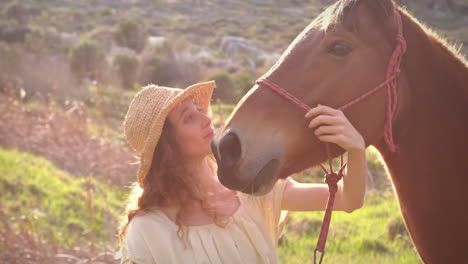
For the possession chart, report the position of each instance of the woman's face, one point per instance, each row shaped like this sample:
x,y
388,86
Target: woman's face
x,y
193,129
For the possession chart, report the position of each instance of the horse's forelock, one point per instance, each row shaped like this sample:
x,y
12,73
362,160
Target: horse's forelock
x,y
341,13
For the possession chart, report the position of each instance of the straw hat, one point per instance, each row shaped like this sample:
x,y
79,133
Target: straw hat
x,y
148,111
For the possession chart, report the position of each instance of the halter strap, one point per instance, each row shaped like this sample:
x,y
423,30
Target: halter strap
x,y
393,72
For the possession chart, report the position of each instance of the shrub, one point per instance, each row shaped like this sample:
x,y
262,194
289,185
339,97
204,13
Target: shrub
x,y
161,66
125,64
13,33
86,59
16,10
232,87
244,80
131,33
225,91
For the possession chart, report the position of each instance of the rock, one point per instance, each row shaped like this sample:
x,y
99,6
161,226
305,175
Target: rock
x,y
117,50
240,49
155,40
69,38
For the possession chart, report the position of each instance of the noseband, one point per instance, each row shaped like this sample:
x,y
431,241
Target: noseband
x,y
332,178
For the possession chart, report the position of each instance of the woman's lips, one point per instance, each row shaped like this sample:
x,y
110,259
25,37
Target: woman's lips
x,y
210,134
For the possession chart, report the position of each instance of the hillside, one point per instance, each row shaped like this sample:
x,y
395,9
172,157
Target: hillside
x,y
50,216
68,70
170,42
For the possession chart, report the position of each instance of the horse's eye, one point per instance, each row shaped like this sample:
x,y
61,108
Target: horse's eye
x,y
339,49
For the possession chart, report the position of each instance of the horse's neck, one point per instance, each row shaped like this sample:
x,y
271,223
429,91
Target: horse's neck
x,y
432,126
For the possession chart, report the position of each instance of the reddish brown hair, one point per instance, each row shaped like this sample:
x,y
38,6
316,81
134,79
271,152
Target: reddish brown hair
x,y
168,183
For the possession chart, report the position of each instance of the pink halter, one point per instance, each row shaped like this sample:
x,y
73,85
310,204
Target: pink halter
x,y
332,178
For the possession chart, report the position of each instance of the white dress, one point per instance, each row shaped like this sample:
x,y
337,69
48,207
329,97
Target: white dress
x,y
251,235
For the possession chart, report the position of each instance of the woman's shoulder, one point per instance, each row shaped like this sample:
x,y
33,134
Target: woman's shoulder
x,y
146,220
146,234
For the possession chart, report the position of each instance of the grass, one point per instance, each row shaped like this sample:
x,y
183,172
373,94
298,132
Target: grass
x,y
220,113
54,206
367,235
54,203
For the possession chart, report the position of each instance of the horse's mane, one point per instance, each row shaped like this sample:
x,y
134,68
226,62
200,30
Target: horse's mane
x,y
337,14
451,47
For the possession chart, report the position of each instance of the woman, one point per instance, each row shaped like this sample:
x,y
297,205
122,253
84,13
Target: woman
x,y
180,213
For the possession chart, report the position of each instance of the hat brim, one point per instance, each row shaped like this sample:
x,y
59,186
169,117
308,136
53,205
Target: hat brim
x,y
200,93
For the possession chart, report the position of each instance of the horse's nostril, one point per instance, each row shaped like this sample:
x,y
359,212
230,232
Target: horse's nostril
x,y
230,149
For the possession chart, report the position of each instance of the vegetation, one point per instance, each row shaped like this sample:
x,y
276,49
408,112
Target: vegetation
x,y
126,66
86,60
52,208
372,234
68,70
131,33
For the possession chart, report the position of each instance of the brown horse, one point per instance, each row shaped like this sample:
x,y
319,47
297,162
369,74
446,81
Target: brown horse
x,y
342,54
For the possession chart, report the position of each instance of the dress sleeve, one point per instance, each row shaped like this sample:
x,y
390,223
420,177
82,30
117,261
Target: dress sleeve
x,y
134,248
270,208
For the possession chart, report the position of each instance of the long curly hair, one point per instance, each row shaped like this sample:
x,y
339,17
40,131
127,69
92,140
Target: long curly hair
x,y
168,183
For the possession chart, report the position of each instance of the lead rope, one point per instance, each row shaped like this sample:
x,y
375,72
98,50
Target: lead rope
x,y
332,178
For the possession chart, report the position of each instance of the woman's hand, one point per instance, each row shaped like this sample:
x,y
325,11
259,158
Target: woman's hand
x,y
332,126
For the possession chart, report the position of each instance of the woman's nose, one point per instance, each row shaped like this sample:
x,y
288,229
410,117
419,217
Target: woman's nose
x,y
206,120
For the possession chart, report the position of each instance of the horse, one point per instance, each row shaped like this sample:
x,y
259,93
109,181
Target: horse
x,y
340,55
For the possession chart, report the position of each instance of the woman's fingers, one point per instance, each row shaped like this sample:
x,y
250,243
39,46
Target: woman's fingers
x,y
333,130
333,127
324,120
322,110
337,139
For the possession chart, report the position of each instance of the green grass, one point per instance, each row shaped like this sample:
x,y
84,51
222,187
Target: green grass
x,y
54,206
55,203
220,113
372,234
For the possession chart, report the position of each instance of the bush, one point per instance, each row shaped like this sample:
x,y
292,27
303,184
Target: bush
x,y
161,66
226,90
232,87
131,33
125,64
16,11
244,80
86,60
110,101
13,33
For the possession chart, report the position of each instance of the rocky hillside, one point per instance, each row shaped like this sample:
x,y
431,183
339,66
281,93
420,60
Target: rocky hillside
x,y
229,34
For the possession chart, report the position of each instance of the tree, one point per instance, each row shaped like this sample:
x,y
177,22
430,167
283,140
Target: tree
x,y
86,60
131,33
125,64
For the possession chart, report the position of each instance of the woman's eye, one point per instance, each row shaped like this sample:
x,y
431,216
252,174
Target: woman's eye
x,y
188,118
339,49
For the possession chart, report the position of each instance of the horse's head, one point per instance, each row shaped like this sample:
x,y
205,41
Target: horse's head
x,y
342,54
